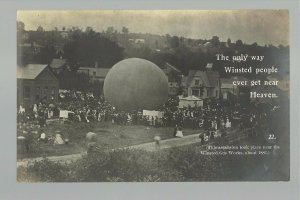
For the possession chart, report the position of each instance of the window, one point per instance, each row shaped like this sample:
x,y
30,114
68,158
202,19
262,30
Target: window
x,y
196,82
45,91
26,91
202,91
37,93
195,92
216,93
53,91
94,74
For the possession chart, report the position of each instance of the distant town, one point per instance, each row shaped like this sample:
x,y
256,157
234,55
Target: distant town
x,y
81,58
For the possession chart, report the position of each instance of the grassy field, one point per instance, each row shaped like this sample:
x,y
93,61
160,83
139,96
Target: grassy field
x,y
177,164
109,136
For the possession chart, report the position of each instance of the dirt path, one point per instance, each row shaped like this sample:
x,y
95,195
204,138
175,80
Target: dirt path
x,y
168,143
150,146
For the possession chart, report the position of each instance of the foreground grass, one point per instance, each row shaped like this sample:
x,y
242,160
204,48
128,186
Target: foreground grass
x,y
175,164
109,136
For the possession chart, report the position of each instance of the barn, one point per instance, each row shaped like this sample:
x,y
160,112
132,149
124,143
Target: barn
x,y
36,83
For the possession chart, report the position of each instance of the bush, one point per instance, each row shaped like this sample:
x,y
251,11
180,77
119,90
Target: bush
x,y
124,165
194,166
44,171
132,165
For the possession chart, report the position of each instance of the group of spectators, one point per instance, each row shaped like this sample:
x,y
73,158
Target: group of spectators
x,y
38,112
84,107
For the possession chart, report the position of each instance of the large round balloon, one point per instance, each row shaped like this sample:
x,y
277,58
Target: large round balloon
x,y
135,84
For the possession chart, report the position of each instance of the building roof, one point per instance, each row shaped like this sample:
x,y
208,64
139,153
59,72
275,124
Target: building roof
x,y
139,40
30,45
168,67
57,63
191,98
100,72
30,71
209,78
207,44
209,66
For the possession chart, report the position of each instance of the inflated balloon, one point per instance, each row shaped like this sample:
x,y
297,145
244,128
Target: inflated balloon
x,y
135,84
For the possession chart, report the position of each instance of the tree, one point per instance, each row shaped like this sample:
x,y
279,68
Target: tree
x,y
20,27
229,41
45,55
125,30
239,43
40,29
110,30
20,31
96,87
156,44
72,80
174,42
87,48
215,41
88,29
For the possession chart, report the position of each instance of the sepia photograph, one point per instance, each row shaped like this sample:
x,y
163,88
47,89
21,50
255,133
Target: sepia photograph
x,y
152,95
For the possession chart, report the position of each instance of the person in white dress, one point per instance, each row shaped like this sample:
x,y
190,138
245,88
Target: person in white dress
x,y
228,123
179,133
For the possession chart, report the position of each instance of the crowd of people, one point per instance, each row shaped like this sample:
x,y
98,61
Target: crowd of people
x,y
213,117
84,107
36,113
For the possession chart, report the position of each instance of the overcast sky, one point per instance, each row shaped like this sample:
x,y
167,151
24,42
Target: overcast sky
x,y
261,26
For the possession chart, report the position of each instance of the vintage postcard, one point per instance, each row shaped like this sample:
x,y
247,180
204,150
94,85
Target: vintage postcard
x,y
153,95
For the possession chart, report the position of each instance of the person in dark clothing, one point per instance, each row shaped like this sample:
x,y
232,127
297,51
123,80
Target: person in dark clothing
x,y
26,143
201,136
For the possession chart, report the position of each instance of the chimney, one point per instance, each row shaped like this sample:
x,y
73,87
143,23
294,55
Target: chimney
x,y
96,64
209,66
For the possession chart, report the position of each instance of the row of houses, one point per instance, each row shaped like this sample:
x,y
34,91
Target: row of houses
x,y
95,73
39,82
202,84
208,84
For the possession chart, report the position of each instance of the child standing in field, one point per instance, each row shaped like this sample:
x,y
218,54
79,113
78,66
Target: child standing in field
x,y
157,142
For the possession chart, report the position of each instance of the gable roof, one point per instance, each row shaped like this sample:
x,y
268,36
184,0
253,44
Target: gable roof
x,y
57,63
168,67
30,71
100,72
209,78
